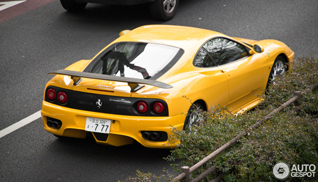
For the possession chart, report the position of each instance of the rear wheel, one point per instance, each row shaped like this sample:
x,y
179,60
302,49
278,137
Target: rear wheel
x,y
278,69
73,5
164,9
194,116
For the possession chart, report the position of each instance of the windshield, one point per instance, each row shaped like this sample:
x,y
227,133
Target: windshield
x,y
136,60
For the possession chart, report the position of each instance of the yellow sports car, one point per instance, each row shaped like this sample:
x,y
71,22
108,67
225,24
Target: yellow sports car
x,y
150,79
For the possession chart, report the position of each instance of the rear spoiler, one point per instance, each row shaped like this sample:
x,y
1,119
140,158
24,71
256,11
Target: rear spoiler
x,y
132,82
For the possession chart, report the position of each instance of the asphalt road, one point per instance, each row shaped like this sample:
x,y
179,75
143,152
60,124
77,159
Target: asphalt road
x,y
48,38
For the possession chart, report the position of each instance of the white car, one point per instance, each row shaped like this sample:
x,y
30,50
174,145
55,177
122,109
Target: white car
x,y
160,9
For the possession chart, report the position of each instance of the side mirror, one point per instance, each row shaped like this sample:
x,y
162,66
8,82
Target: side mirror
x,y
123,32
258,48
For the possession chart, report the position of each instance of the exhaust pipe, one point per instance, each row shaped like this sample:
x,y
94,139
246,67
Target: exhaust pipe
x,y
56,125
49,123
154,136
146,135
53,123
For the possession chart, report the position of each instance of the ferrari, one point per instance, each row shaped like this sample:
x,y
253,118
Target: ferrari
x,y
150,79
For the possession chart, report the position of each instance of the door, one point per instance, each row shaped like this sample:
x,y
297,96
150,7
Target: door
x,y
244,72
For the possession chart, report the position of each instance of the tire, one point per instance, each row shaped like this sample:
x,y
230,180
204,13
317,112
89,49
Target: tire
x,y
193,117
278,69
164,9
73,5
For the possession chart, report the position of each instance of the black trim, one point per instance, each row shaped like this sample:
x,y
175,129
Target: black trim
x,y
110,104
101,136
249,45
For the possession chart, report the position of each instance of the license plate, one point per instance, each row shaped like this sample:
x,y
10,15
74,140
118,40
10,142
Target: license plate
x,y
97,125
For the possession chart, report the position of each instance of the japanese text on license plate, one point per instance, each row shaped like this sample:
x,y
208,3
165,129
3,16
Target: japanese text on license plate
x,y
97,125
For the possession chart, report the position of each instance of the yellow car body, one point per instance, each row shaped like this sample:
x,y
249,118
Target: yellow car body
x,y
235,85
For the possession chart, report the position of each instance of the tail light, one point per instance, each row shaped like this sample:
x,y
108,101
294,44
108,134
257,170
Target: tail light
x,y
62,97
158,107
51,94
142,106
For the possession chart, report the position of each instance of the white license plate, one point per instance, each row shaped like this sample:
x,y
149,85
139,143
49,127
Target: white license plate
x,y
97,125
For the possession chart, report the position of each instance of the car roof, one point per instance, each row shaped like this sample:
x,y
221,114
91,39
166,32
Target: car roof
x,y
178,36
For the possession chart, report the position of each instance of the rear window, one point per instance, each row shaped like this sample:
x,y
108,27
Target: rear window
x,y
135,60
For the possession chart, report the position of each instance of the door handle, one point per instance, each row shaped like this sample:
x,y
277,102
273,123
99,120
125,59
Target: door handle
x,y
223,71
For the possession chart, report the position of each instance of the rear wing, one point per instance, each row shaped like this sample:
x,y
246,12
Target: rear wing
x,y
132,82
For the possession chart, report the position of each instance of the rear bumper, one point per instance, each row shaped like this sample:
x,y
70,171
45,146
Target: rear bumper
x,y
124,129
118,2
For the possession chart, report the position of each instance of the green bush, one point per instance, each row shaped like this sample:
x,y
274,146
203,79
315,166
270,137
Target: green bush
x,y
149,177
290,136
303,76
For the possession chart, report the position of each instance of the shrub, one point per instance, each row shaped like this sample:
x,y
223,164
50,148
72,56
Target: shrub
x,y
149,177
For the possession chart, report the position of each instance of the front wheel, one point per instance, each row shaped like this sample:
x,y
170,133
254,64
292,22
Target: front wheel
x,y
278,69
164,9
73,5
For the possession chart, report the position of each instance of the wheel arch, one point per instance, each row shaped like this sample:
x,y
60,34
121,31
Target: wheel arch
x,y
202,103
285,59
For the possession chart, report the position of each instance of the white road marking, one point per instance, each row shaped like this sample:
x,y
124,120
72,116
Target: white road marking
x,y
8,4
20,124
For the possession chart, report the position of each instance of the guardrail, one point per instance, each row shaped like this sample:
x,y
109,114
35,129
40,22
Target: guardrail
x,y
186,170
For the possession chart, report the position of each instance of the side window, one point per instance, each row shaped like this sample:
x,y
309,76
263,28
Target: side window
x,y
204,59
219,51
